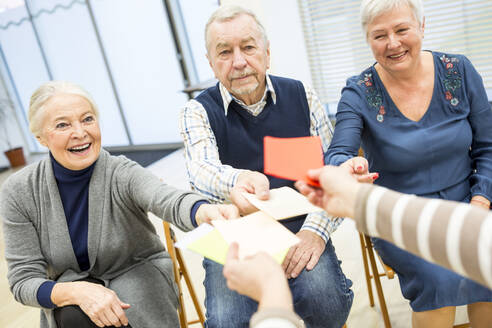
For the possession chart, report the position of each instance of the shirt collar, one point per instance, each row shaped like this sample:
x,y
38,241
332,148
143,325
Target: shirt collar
x,y
227,97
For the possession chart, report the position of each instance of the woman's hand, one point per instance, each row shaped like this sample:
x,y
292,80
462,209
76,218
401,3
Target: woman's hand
x,y
359,168
337,193
258,277
101,304
480,201
208,212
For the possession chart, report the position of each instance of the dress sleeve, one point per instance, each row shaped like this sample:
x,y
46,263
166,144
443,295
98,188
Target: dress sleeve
x,y
348,128
27,267
480,119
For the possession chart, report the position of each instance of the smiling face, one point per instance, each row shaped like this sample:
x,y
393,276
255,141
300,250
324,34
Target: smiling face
x,y
395,38
71,131
239,57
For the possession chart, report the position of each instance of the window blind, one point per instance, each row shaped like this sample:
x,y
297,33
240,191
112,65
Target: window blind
x,y
337,47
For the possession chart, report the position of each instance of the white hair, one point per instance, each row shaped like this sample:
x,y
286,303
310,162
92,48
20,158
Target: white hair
x,y
45,92
370,9
229,12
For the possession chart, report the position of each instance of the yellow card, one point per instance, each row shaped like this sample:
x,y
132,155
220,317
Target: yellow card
x,y
209,242
212,246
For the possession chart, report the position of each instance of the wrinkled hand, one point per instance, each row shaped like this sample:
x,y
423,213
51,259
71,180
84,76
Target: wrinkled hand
x,y
303,255
208,212
101,304
338,190
359,168
253,183
258,277
480,201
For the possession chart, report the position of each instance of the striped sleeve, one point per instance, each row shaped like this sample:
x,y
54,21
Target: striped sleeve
x,y
457,236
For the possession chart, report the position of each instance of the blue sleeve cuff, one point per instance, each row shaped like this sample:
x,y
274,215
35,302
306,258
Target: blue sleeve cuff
x,y
481,185
194,209
44,294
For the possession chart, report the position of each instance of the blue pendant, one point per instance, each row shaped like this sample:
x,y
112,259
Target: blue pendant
x,y
380,118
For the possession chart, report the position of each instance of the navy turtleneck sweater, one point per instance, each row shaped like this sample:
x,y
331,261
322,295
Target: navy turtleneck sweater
x,y
74,193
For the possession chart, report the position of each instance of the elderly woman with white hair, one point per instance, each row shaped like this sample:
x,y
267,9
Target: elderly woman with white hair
x,y
78,241
425,125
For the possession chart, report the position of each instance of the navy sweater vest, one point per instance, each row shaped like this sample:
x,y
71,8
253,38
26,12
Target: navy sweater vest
x,y
239,135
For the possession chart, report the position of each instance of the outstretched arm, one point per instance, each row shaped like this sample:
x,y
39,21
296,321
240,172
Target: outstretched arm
x,y
416,218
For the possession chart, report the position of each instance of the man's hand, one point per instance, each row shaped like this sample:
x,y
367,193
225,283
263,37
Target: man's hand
x,y
303,255
208,212
253,183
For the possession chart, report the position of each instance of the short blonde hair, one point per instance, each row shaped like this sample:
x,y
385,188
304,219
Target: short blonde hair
x,y
45,92
229,12
370,9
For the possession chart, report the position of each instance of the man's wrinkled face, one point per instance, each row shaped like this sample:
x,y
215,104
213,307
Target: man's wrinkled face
x,y
239,56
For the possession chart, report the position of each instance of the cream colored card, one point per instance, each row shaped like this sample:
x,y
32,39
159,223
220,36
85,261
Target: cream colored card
x,y
283,203
255,233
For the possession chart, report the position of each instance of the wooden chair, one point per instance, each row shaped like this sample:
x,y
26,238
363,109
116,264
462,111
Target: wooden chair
x,y
368,257
180,271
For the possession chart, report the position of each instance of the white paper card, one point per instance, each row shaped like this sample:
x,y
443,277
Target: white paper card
x,y
283,203
255,233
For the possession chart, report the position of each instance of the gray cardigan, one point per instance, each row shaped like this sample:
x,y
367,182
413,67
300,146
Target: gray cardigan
x,y
120,237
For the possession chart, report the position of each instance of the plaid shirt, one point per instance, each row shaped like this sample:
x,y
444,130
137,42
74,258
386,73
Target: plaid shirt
x,y
215,180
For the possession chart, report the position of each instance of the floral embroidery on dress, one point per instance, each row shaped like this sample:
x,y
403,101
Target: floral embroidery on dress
x,y
452,82
373,96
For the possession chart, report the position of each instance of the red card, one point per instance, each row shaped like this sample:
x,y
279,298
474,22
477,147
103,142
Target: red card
x,y
291,158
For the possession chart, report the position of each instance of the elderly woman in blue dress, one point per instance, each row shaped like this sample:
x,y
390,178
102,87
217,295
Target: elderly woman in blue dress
x,y
425,125
78,242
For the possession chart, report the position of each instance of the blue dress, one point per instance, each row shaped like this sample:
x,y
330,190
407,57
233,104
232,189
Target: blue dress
x,y
446,154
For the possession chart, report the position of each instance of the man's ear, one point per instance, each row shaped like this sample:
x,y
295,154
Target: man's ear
x,y
268,54
423,26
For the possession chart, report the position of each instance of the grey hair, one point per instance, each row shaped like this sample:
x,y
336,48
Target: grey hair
x,y
370,9
45,92
229,12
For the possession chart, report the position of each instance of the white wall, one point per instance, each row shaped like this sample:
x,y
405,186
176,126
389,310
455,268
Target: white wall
x,y
282,22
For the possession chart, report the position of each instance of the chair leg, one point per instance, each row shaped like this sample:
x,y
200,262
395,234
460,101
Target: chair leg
x,y
364,250
191,289
183,323
377,281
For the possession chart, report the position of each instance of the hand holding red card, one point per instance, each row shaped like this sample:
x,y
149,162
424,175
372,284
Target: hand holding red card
x,y
291,158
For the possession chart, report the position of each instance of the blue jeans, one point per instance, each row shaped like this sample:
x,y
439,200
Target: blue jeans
x,y
322,296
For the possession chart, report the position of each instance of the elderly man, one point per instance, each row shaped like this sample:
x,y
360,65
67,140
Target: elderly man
x,y
223,130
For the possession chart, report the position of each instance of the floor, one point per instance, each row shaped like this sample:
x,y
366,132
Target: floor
x,y
171,169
